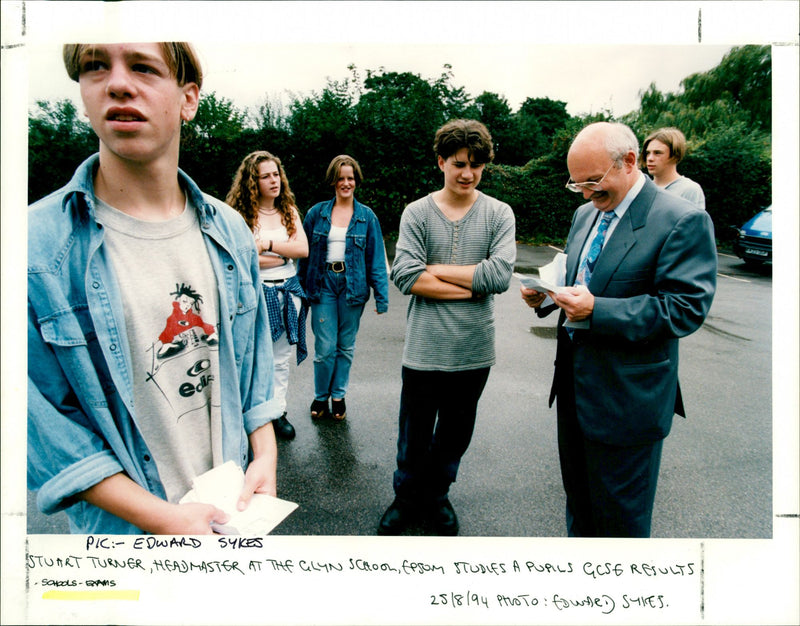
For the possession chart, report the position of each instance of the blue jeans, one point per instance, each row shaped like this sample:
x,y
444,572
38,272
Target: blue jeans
x,y
335,325
437,419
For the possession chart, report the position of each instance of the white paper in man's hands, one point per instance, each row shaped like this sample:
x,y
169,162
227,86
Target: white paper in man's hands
x,y
538,284
222,486
551,276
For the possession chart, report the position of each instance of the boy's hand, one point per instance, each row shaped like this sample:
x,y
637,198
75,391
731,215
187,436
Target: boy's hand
x,y
259,478
191,519
124,498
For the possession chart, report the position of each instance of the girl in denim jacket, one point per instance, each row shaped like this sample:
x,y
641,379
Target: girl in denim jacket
x,y
346,259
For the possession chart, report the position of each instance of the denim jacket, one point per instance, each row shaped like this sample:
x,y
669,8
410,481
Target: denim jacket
x,y
365,255
82,422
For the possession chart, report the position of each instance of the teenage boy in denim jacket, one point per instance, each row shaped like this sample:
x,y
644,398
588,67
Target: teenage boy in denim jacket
x,y
119,422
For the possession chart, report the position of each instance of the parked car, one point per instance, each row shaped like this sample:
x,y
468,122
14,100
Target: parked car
x,y
754,243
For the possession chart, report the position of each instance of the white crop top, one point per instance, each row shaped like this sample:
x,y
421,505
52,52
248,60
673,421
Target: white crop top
x,y
337,243
282,271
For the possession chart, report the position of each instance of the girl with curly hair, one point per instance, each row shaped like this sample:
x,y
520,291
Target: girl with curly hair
x,y
261,193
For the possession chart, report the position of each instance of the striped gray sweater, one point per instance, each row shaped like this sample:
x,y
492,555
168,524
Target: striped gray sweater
x,y
454,335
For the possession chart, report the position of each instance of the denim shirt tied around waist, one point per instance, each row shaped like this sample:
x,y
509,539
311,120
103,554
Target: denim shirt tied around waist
x,y
365,255
82,423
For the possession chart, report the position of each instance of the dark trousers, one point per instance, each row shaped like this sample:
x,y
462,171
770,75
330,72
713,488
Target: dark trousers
x,y
437,419
610,489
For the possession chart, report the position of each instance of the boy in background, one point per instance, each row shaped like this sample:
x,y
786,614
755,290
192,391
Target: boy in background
x,y
661,152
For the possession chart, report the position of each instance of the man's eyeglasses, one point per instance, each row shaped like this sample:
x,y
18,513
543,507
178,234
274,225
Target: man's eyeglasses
x,y
590,185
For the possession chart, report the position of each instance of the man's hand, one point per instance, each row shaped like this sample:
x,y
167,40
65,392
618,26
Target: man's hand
x,y
577,302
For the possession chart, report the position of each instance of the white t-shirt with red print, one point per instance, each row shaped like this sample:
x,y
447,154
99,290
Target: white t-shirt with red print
x,y
171,306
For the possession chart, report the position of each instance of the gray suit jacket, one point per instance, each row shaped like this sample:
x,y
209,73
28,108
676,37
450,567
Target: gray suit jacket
x,y
653,283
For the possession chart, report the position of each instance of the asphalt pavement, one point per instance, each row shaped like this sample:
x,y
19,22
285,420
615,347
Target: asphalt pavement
x,y
716,474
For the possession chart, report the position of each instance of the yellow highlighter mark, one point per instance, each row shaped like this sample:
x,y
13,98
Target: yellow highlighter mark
x,y
100,594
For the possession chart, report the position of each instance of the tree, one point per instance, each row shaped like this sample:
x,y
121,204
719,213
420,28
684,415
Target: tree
x,y
319,126
725,114
395,121
734,167
58,140
453,100
387,121
217,117
271,114
551,114
493,110
739,89
743,78
535,126
210,150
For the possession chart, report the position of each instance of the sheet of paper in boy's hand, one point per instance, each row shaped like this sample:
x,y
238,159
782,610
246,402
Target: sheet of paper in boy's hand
x,y
222,486
551,276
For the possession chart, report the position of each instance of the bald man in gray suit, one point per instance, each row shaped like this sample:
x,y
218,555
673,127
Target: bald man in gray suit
x,y
643,263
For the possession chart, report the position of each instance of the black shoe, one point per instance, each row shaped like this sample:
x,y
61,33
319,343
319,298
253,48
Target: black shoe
x,y
319,409
397,518
283,428
338,409
444,518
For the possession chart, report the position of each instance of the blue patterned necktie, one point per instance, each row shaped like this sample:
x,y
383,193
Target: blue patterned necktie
x,y
590,260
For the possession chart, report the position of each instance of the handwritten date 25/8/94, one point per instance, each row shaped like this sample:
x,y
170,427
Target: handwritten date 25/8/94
x,y
454,599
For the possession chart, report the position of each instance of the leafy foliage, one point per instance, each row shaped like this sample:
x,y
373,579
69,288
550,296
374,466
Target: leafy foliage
x,y
210,144
396,118
733,166
58,140
726,115
387,120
